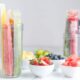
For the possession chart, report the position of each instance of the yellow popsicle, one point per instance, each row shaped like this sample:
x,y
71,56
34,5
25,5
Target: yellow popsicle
x,y
3,16
3,21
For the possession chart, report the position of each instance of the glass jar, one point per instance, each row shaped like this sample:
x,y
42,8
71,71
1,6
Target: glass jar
x,y
11,50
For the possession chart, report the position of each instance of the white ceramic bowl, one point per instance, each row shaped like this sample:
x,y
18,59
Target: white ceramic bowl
x,y
70,71
58,63
25,64
41,71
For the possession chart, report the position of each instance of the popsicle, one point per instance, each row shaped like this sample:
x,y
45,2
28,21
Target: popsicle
x,y
71,36
17,49
3,14
11,21
17,43
73,29
12,30
8,51
3,17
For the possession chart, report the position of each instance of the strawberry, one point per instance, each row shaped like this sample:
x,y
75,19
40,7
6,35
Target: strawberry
x,y
74,64
69,59
46,60
43,63
34,62
66,63
78,62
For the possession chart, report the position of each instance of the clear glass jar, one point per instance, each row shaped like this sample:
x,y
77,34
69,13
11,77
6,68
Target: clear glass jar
x,y
11,50
67,41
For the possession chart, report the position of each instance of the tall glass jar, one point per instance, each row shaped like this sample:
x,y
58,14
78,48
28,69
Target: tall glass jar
x,y
11,50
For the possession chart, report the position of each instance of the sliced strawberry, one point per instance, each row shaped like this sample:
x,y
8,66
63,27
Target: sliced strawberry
x,y
43,63
74,64
66,63
69,59
34,62
78,62
78,59
46,60
73,61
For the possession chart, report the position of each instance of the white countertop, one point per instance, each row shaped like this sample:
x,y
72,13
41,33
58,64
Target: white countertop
x,y
27,75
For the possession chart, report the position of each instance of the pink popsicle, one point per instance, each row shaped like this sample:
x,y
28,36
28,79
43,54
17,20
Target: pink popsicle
x,y
8,51
73,46
73,28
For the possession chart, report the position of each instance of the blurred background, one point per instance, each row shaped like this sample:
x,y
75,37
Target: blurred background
x,y
44,21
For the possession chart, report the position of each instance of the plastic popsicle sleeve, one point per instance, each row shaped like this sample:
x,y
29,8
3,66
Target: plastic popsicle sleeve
x,y
8,51
7,54
17,43
3,14
2,20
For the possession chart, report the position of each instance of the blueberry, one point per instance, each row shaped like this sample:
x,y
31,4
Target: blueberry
x,y
56,57
50,55
53,57
62,57
54,54
59,57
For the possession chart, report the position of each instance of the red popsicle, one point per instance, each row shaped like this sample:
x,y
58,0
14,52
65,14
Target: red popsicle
x,y
8,51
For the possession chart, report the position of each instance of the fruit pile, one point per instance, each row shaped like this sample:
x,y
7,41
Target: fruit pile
x,y
43,61
74,62
55,57
41,53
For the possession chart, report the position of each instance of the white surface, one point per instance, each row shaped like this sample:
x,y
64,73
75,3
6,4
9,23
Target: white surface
x,y
27,75
44,20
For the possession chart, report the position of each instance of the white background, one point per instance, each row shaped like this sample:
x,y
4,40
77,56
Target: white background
x,y
44,25
44,20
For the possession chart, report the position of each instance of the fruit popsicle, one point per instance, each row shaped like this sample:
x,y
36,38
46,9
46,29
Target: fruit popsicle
x,y
17,49
73,38
11,21
73,29
3,17
74,46
12,31
8,51
17,43
3,14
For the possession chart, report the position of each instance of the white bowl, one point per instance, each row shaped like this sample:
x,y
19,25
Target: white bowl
x,y
41,71
58,63
25,64
70,71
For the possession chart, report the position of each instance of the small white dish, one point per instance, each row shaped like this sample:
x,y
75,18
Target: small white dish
x,y
57,64
25,64
41,71
70,71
